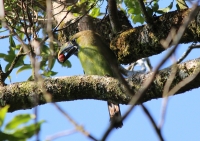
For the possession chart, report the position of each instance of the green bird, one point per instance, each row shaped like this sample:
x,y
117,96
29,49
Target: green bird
x,y
90,49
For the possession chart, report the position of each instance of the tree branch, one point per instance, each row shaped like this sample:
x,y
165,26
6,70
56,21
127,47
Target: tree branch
x,y
140,42
112,10
22,95
147,18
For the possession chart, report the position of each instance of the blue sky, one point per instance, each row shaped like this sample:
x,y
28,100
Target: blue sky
x,y
181,122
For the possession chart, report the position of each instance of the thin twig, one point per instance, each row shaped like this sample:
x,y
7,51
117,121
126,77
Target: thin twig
x,y
23,6
24,46
152,122
184,82
61,21
20,54
61,134
77,19
5,36
170,80
163,112
167,87
185,54
78,127
56,30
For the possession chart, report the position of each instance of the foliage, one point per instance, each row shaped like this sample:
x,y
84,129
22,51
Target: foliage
x,y
152,8
17,129
16,50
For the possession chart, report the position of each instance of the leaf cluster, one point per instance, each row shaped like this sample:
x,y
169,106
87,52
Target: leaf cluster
x,y
17,129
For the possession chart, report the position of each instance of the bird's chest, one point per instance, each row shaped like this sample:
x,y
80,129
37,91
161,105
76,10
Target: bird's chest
x,y
93,62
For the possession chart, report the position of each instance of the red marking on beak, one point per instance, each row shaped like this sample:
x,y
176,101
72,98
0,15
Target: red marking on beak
x,y
61,58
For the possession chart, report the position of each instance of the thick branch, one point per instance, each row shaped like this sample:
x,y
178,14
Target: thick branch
x,y
140,42
22,95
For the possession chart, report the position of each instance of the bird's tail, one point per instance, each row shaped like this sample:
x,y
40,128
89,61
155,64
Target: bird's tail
x,y
115,115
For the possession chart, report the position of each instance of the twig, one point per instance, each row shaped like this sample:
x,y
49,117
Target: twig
x,y
78,127
20,54
114,21
61,21
24,19
144,12
163,112
92,6
184,82
173,91
24,46
185,54
170,80
152,122
61,134
5,36
166,88
56,30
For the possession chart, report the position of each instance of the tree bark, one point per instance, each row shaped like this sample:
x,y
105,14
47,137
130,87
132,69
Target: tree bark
x,y
25,95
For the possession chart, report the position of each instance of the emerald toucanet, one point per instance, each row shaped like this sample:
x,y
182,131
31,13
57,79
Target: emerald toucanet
x,y
89,47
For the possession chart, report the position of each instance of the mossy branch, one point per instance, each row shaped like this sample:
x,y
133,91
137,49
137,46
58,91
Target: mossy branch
x,y
22,95
140,42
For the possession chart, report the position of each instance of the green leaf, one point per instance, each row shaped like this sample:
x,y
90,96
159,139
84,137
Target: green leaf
x,y
129,3
11,41
45,50
7,67
28,131
181,4
8,137
18,120
51,62
2,55
177,7
155,6
9,58
24,67
21,35
49,73
166,9
30,78
18,46
9,77
150,11
119,1
3,112
95,12
137,18
11,50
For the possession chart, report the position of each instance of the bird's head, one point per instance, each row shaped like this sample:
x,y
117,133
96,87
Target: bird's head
x,y
67,50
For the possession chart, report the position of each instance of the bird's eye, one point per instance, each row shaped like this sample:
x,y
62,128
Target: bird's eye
x,y
73,41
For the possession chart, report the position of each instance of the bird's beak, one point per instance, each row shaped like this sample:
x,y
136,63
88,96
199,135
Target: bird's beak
x,y
69,49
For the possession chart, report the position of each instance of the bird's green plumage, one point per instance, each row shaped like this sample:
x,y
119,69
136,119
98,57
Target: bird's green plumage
x,y
91,49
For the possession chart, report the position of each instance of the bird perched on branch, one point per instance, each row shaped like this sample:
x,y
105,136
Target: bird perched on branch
x,y
91,50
